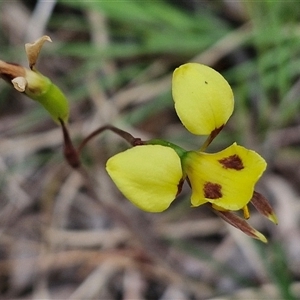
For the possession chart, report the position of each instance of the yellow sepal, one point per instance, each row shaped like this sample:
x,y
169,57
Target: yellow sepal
x,y
147,175
203,98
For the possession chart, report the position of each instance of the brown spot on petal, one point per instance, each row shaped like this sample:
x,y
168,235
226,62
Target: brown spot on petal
x,y
232,162
212,190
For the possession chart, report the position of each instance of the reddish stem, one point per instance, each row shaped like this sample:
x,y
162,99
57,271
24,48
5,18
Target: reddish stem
x,y
72,155
125,135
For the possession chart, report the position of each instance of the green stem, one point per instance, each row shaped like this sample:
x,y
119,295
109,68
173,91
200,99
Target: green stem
x,y
180,151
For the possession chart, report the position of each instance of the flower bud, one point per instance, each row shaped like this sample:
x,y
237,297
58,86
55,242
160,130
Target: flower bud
x,y
41,89
35,85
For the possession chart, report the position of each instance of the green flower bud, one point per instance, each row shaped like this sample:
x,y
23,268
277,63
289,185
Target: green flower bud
x,y
40,88
35,85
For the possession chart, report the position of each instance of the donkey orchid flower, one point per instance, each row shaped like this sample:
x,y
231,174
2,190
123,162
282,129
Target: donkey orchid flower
x,y
151,174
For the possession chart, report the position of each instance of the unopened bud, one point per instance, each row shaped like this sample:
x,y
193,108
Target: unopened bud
x,y
35,85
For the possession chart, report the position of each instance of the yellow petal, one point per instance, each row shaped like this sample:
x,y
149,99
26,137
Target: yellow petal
x,y
203,98
226,179
148,176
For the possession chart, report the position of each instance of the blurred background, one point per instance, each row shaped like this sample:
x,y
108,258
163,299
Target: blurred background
x,y
114,61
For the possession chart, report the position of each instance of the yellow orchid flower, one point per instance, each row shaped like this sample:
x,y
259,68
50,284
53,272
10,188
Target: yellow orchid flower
x,y
151,173
148,175
226,179
203,98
